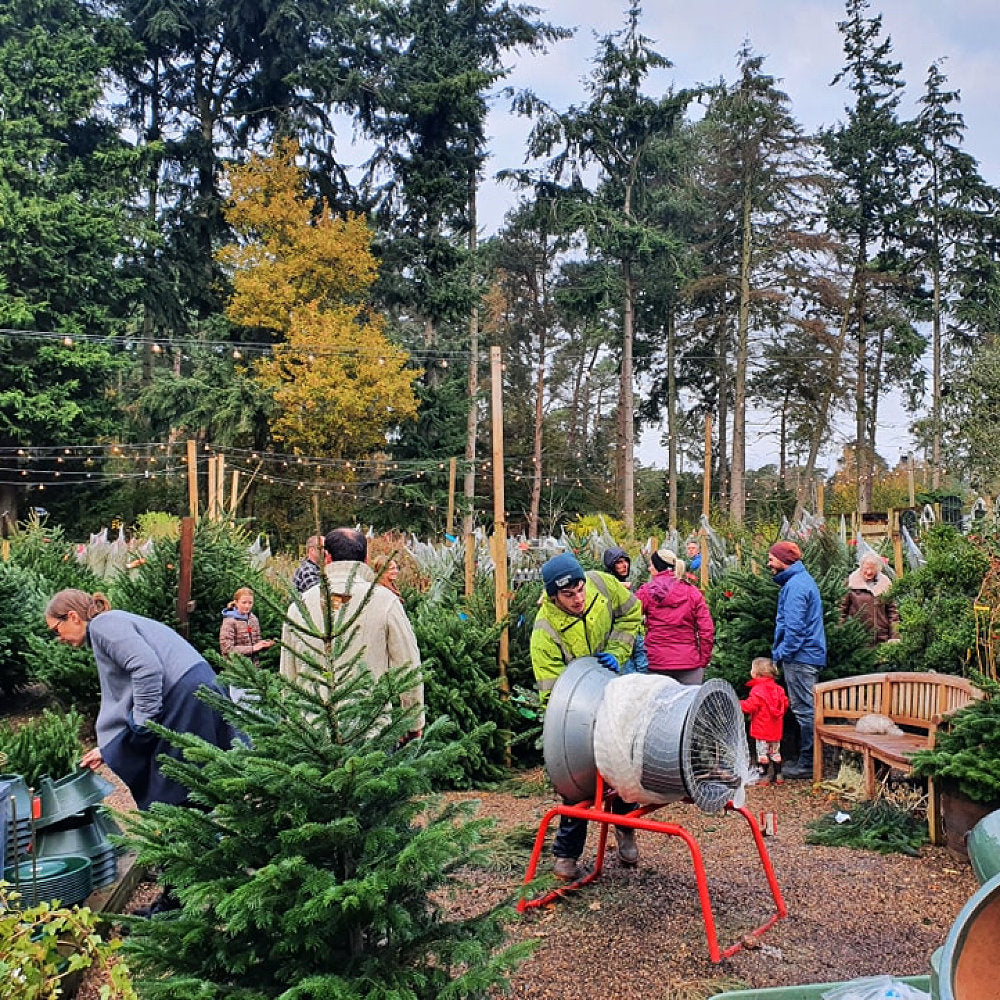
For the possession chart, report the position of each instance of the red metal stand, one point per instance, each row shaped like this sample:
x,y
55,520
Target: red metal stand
x,y
596,813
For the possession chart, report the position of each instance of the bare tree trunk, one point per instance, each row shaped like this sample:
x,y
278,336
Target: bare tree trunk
x,y
627,406
737,500
541,313
824,407
152,198
472,418
671,421
722,417
860,387
936,350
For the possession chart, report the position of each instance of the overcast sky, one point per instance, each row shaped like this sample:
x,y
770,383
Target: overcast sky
x,y
804,51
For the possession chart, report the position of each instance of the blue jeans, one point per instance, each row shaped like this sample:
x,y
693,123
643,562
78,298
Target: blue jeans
x,y
638,662
572,833
800,679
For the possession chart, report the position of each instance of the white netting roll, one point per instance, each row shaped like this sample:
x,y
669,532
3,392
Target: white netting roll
x,y
629,705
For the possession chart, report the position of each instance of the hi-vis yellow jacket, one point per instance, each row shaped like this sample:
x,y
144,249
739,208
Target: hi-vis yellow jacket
x,y
609,623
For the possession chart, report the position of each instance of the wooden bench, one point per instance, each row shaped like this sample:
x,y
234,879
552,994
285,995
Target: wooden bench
x,y
915,702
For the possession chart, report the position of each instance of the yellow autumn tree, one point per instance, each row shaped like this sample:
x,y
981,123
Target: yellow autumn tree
x,y
338,383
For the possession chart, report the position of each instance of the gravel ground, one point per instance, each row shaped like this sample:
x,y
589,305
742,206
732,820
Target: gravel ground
x,y
639,933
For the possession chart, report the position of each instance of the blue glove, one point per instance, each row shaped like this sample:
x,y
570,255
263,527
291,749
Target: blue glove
x,y
608,661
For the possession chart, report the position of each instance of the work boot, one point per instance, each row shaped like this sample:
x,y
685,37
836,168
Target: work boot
x,y
799,769
566,869
628,849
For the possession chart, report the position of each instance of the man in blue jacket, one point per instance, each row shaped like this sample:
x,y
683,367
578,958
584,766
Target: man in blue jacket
x,y
799,642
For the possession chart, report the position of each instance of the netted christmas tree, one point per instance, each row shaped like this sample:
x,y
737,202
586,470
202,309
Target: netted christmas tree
x,y
315,859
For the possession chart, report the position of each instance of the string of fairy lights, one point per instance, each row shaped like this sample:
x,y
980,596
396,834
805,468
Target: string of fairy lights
x,y
42,468
374,481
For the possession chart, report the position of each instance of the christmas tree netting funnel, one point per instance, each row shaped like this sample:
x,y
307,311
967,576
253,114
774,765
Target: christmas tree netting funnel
x,y
654,740
658,741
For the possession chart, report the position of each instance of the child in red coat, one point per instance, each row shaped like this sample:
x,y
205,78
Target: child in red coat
x,y
766,707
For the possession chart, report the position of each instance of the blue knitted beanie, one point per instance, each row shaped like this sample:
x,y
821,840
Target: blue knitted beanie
x,y
561,571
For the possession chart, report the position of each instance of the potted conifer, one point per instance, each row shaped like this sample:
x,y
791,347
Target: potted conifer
x,y
964,764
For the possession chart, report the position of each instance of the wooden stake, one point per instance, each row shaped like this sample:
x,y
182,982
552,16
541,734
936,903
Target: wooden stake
x,y
211,510
706,496
184,606
234,493
820,497
470,564
499,514
452,473
192,470
220,485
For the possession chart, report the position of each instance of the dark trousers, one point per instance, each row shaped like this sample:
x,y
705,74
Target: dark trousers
x,y
572,833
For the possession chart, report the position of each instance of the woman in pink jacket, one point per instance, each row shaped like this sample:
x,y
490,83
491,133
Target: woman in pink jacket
x,y
680,632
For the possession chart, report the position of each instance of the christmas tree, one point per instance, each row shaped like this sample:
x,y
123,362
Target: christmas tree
x,y
312,862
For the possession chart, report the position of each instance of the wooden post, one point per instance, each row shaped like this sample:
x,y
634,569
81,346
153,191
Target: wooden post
x,y
706,495
452,473
470,563
897,550
234,493
820,497
220,485
210,512
703,569
192,469
499,515
184,605
909,479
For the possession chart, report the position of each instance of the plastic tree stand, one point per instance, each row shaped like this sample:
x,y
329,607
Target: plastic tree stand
x,y
637,820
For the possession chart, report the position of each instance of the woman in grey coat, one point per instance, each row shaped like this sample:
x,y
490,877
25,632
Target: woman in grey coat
x,y
147,673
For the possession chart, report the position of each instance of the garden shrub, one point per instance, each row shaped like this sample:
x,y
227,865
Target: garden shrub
x,y
937,625
69,674
317,864
44,947
23,594
48,744
966,751
221,565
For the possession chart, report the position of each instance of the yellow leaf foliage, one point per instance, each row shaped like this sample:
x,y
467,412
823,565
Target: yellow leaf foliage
x,y
332,399
338,382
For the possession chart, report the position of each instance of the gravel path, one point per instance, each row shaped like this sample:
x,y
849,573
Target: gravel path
x,y
639,933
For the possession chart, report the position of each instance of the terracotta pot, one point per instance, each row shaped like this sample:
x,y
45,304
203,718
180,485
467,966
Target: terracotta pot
x,y
959,815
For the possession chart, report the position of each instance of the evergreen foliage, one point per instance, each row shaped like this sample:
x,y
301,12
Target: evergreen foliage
x,y
312,864
966,751
221,566
49,744
69,674
873,826
937,625
459,649
22,596
44,549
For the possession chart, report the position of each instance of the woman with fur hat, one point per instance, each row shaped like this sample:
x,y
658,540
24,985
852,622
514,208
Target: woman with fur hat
x,y
680,632
867,588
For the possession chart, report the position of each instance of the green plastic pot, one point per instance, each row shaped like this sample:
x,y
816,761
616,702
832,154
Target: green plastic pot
x,y
969,957
984,847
